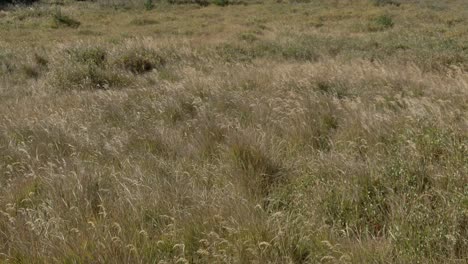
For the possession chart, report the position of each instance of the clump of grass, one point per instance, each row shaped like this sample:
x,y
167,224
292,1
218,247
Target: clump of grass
x,y
49,142
61,20
94,67
140,60
337,89
19,2
232,53
168,74
385,21
221,2
259,172
32,12
30,71
88,55
87,77
30,67
143,21
315,127
380,23
183,2
366,214
300,49
385,2
7,63
85,67
149,4
28,195
41,60
248,37
179,108
88,32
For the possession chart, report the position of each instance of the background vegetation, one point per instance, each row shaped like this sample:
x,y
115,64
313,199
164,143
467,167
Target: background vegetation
x,y
234,132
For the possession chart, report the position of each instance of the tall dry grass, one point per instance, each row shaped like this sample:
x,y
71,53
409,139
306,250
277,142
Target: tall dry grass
x,y
255,142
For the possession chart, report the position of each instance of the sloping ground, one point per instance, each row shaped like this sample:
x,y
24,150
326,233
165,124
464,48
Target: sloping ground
x,y
263,133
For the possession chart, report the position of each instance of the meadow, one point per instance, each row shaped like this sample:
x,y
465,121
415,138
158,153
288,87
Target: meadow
x,y
234,131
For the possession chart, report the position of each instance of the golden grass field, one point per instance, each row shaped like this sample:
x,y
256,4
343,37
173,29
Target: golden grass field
x,y
257,132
